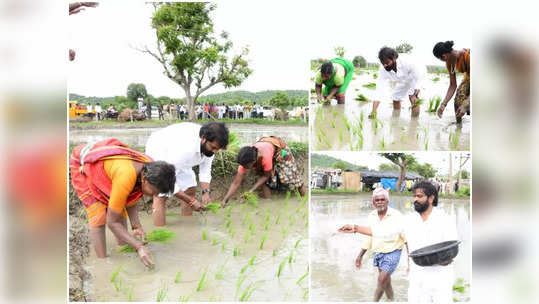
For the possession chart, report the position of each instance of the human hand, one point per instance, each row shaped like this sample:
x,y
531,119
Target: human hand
x,y
358,261
196,205
446,262
206,199
140,233
348,228
461,110
145,257
440,111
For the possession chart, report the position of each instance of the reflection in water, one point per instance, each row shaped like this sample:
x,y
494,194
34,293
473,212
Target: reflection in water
x,y
347,127
228,276
334,275
247,134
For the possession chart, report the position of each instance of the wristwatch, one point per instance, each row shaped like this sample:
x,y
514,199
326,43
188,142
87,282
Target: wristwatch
x,y
206,190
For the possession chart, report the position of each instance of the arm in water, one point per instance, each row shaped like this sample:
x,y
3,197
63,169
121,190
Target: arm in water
x,y
114,222
233,187
136,226
450,92
334,91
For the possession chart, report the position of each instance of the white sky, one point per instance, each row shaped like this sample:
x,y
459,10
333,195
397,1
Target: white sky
x,y
282,36
438,160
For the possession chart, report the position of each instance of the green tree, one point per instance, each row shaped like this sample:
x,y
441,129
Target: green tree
x,y
359,62
404,48
340,165
388,167
339,51
426,170
190,52
163,100
136,90
280,100
402,160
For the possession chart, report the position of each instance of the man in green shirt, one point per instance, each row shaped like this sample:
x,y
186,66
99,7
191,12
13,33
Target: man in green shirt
x,y
335,75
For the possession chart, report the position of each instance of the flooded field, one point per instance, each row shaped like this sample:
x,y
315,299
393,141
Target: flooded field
x,y
334,276
247,134
242,253
347,127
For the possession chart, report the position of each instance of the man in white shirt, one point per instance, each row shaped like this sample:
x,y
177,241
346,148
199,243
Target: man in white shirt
x,y
186,145
98,111
429,284
402,76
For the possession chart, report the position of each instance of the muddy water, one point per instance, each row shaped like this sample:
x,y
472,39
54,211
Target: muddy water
x,y
394,130
334,275
189,253
247,134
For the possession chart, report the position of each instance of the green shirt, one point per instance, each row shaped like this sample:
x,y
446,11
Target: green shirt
x,y
338,71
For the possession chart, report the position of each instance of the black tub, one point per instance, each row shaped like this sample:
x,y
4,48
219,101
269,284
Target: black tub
x,y
435,254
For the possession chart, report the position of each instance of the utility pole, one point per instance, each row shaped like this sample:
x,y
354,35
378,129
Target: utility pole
x,y
450,176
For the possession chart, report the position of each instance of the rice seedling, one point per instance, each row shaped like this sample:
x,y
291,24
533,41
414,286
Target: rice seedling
x,y
274,252
281,267
178,276
375,75
236,251
436,79
297,242
251,198
335,113
244,268
361,117
303,276
184,298
284,232
115,274
204,235
333,124
341,139
214,242
118,285
361,98
249,290
278,220
263,240
426,144
126,248
370,85
213,207
247,236
202,281
306,294
245,218
290,256
159,235
319,138
228,223
346,124
434,103
130,294
223,246
162,294
170,214
419,102
239,282
220,274
456,139
382,144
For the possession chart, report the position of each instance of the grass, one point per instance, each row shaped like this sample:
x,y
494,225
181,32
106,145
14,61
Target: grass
x,y
115,274
434,103
162,294
361,98
160,235
178,276
303,276
213,207
281,267
370,85
263,240
202,281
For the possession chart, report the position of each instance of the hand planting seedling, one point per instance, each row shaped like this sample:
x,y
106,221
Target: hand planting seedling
x,y
213,207
251,198
160,235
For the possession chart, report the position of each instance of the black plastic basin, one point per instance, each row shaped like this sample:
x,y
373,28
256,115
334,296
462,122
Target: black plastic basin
x,y
435,254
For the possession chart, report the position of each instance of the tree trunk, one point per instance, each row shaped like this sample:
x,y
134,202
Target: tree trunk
x,y
402,175
190,103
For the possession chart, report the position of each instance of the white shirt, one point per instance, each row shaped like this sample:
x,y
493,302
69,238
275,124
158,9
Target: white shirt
x,y
406,78
98,109
437,228
179,144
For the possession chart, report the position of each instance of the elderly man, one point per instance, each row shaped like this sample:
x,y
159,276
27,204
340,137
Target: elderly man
x,y
403,76
186,145
386,227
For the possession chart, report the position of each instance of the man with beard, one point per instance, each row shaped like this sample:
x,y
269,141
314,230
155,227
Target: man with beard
x,y
402,76
428,226
387,240
186,145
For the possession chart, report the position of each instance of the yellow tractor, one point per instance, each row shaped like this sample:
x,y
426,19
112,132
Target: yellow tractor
x,y
77,111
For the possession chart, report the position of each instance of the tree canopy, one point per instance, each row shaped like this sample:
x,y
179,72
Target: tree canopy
x,y
136,90
404,48
359,62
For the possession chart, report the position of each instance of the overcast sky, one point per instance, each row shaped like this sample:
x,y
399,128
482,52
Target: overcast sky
x,y
282,36
439,160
